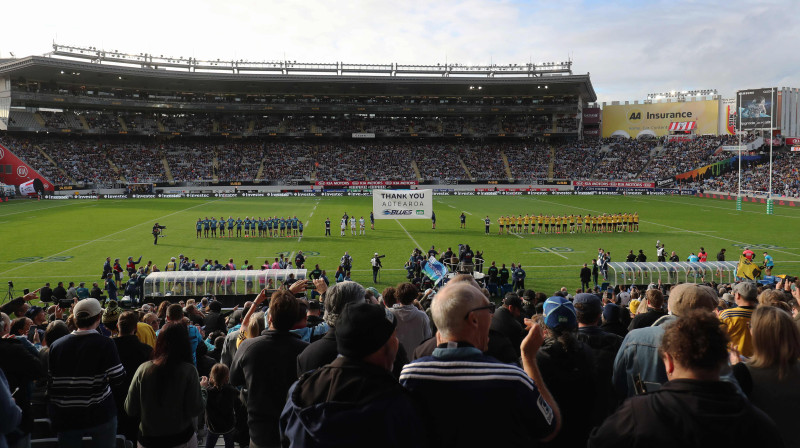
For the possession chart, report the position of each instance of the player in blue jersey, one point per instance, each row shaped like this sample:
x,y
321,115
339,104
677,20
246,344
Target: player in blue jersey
x,y
239,227
300,227
230,226
295,222
213,227
221,226
199,225
206,225
282,226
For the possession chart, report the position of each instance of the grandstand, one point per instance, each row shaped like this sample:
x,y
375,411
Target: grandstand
x,y
89,119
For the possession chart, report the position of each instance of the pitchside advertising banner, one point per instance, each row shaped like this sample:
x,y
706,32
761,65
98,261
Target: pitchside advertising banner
x,y
402,204
633,120
756,107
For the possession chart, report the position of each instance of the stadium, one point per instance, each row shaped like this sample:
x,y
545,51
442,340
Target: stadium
x,y
108,155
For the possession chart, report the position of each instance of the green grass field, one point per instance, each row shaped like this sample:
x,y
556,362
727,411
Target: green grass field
x,y
69,240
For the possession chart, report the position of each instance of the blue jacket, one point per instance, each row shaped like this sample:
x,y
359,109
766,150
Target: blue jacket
x,y
638,356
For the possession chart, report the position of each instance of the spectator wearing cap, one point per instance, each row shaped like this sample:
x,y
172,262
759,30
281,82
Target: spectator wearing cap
x,y
132,354
413,325
564,362
214,321
638,367
506,321
695,408
22,368
79,407
461,389
604,347
654,301
355,400
737,320
267,366
38,319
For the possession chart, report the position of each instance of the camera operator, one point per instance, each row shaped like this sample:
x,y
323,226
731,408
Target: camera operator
x,y
376,266
157,231
346,263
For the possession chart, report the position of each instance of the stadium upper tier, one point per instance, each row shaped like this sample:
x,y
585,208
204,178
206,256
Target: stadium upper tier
x,y
120,160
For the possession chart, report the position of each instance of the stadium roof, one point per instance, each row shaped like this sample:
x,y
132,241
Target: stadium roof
x,y
61,71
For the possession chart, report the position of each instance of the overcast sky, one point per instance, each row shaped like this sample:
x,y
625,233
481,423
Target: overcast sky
x,y
631,48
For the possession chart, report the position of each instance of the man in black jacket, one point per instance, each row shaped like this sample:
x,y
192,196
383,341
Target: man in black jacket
x,y
355,391
59,293
586,277
506,321
694,408
655,304
46,293
132,354
267,366
604,346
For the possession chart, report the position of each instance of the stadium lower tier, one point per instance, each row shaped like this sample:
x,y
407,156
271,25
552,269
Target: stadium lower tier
x,y
119,161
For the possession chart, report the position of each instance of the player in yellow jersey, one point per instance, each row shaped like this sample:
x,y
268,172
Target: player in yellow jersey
x,y
571,223
500,223
539,222
635,221
526,220
579,222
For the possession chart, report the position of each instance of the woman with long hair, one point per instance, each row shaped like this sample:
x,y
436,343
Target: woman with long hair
x,y
771,377
166,392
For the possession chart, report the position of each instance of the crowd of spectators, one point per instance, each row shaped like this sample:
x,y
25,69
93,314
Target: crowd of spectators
x,y
598,368
139,160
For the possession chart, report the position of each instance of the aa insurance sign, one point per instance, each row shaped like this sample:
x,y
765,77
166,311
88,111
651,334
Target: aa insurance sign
x,y
402,204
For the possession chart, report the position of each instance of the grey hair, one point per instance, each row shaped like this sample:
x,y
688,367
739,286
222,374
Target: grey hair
x,y
340,295
5,322
451,304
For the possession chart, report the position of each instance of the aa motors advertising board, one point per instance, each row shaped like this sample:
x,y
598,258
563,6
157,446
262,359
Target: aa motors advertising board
x,y
756,107
633,120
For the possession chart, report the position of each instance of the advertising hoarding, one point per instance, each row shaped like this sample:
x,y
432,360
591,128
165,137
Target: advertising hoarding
x,y
402,204
632,120
591,115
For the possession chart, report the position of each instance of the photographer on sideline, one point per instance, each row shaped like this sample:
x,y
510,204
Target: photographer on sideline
x,y
157,231
376,266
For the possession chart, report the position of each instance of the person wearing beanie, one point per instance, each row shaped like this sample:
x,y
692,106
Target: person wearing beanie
x,y
638,368
337,402
111,315
564,362
78,408
507,321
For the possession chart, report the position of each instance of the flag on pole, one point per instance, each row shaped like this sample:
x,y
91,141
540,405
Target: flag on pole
x,y
434,270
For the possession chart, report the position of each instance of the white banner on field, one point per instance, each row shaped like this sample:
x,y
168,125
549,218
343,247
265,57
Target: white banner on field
x,y
402,204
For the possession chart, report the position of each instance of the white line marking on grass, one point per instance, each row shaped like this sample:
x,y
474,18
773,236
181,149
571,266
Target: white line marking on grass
x,y
304,229
451,206
39,208
467,212
409,235
554,252
109,235
721,208
669,227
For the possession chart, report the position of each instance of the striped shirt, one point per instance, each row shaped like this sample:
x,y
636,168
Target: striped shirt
x,y
462,390
83,366
737,323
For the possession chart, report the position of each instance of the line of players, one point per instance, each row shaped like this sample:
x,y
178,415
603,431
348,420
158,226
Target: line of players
x,y
619,222
248,227
362,225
